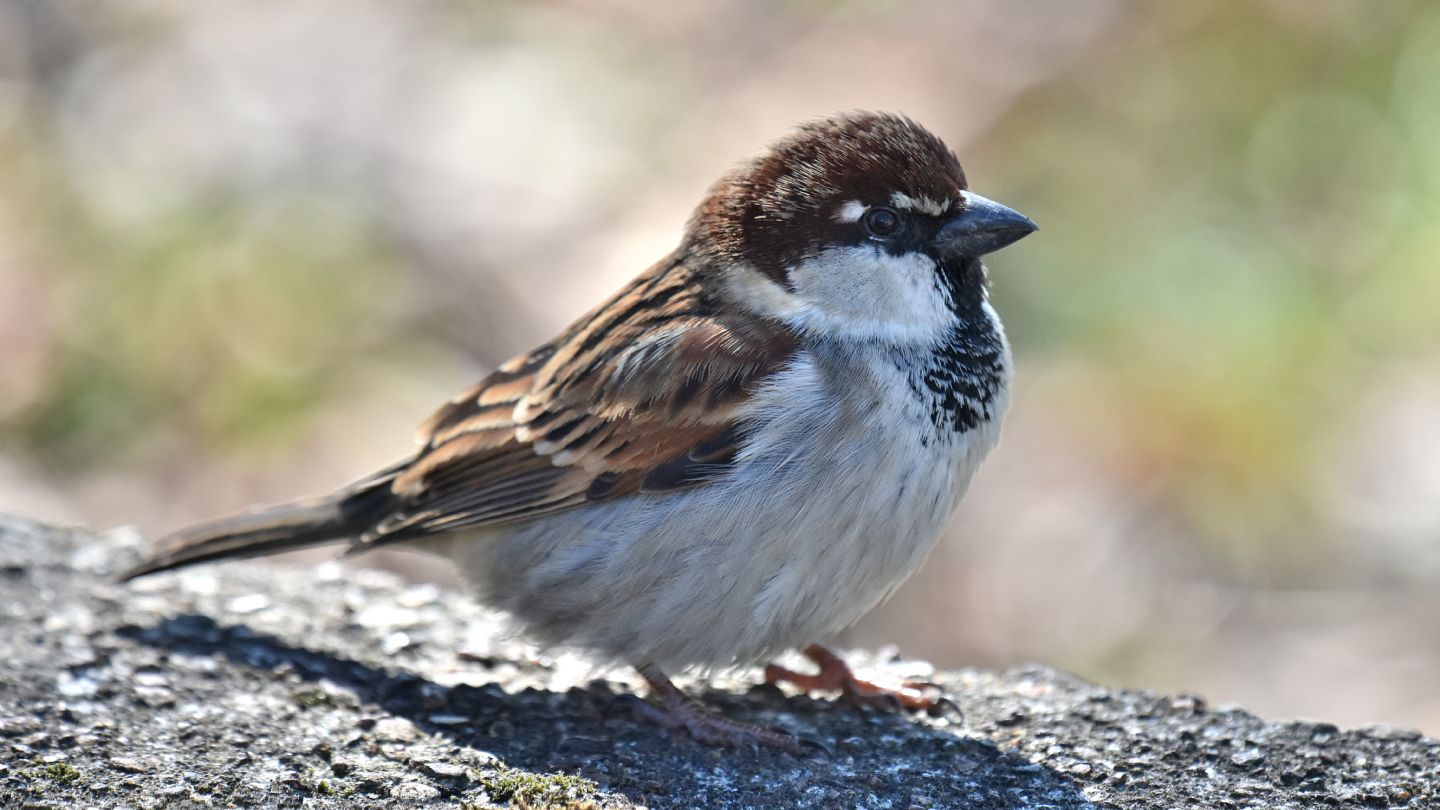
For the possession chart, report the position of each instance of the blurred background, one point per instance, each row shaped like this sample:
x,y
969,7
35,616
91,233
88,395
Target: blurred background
x,y
246,247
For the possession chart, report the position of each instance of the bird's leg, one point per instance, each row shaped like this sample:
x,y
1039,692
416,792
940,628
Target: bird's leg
x,y
677,710
836,674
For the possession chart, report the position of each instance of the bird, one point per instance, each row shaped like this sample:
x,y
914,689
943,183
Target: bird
x,y
740,453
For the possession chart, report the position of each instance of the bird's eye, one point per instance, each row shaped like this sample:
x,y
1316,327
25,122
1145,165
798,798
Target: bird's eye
x,y
882,221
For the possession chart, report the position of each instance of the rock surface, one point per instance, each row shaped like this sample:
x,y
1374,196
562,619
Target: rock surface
x,y
249,686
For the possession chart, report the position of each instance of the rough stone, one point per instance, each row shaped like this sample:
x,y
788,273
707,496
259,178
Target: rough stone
x,y
252,686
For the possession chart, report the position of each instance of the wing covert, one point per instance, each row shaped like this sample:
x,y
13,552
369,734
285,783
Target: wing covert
x,y
649,392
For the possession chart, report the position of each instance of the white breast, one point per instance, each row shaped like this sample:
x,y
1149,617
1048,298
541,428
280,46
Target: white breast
x,y
837,497
872,490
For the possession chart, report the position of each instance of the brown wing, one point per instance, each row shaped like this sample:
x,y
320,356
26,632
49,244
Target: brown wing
x,y
646,393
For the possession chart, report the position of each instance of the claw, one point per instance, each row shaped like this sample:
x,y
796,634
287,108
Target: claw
x,y
813,745
678,711
882,701
947,708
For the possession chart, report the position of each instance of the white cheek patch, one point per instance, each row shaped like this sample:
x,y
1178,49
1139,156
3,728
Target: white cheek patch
x,y
863,292
923,205
851,211
751,289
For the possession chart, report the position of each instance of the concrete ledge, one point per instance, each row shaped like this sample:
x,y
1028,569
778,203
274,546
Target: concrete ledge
x,y
248,686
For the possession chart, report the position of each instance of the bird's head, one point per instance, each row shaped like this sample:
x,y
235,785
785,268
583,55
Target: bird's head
x,y
861,225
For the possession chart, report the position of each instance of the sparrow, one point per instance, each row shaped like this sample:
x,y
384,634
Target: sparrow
x,y
744,450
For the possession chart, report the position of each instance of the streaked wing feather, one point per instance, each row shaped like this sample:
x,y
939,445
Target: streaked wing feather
x,y
645,394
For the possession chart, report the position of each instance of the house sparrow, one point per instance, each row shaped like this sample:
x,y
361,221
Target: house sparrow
x,y
744,450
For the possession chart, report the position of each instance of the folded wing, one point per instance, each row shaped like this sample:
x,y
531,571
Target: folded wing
x,y
648,393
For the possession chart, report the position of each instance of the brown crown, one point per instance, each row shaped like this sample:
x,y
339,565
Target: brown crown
x,y
780,207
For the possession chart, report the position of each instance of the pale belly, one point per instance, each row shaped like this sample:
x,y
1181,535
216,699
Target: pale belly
x,y
835,501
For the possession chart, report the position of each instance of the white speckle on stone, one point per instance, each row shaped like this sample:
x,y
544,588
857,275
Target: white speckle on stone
x,y
395,729
443,770
128,764
414,792
76,686
386,617
199,583
418,596
572,670
395,642
151,679
250,603
90,557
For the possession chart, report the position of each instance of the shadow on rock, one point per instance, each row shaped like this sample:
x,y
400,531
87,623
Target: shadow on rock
x,y
593,730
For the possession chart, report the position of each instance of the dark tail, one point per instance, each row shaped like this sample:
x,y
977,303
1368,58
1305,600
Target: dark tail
x,y
270,530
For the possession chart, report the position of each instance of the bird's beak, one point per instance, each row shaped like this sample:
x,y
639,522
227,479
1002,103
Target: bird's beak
x,y
982,226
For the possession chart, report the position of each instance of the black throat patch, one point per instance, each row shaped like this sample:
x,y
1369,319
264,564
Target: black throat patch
x,y
964,374
963,377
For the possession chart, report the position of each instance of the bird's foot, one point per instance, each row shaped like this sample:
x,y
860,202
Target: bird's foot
x,y
836,674
678,711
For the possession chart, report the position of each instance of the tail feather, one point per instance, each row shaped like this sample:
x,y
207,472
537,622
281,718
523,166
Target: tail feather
x,y
270,530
